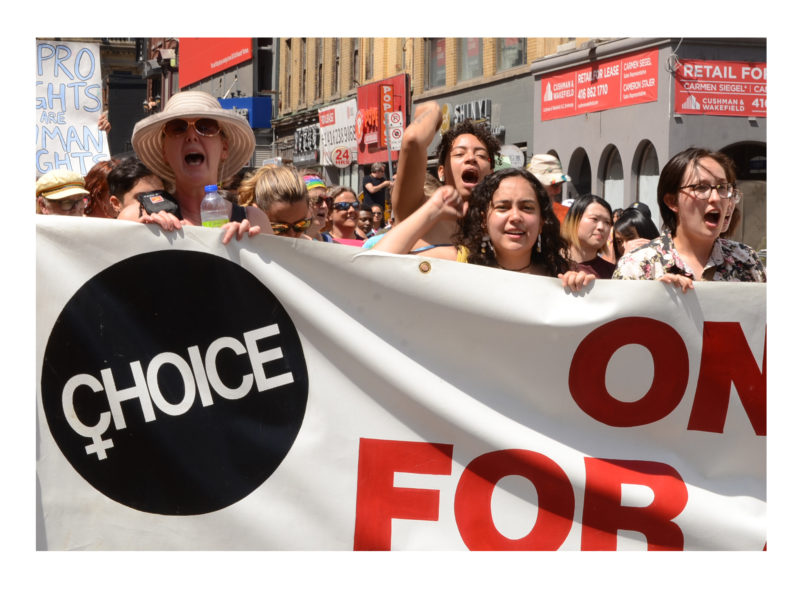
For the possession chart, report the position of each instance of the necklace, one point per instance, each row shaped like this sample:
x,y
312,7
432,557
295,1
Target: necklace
x,y
517,270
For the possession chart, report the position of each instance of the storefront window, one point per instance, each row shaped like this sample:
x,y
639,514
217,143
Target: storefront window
x,y
647,181
510,53
318,69
613,188
470,58
436,61
336,65
581,172
303,65
356,66
288,94
368,58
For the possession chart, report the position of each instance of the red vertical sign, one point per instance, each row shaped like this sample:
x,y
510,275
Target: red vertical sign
x,y
374,101
386,106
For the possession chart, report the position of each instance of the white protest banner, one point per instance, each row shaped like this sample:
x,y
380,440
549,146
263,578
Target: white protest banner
x,y
69,102
288,394
337,134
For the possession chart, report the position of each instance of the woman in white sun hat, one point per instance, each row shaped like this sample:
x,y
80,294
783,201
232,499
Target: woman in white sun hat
x,y
192,143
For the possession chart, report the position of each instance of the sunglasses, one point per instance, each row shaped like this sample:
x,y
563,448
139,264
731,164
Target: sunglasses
x,y
321,199
205,127
345,205
299,226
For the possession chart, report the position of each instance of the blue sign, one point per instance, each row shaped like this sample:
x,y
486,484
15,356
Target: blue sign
x,y
256,109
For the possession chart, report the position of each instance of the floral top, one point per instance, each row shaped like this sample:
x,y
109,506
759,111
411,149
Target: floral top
x,y
729,261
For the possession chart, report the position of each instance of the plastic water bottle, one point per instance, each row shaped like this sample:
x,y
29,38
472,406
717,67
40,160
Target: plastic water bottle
x,y
213,208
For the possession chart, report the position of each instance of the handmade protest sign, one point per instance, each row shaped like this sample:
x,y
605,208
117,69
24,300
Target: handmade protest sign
x,y
69,102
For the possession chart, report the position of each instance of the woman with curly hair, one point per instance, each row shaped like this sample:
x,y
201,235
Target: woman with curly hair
x,y
508,223
511,225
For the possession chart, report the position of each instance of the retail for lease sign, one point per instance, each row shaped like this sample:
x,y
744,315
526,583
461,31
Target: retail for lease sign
x,y
714,87
601,85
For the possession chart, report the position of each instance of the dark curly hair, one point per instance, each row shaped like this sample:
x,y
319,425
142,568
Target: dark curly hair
x,y
472,227
479,130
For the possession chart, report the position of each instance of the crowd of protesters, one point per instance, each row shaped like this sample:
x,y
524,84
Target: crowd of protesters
x,y
474,211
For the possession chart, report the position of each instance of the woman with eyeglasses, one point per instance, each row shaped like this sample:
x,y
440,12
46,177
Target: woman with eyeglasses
x,y
695,194
344,216
281,193
192,143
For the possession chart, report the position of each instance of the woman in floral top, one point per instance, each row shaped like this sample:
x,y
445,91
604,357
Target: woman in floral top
x,y
695,192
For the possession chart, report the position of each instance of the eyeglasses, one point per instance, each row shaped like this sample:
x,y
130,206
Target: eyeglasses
x,y
298,226
345,205
65,205
205,127
702,191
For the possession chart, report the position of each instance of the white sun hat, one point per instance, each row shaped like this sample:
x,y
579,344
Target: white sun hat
x,y
547,169
147,136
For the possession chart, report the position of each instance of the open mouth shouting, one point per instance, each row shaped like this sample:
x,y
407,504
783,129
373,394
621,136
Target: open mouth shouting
x,y
712,218
194,159
470,176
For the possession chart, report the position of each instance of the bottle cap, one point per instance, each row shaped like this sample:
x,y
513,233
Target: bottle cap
x,y
211,188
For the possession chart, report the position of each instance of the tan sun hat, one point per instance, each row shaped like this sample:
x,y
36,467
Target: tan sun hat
x,y
147,137
547,169
60,184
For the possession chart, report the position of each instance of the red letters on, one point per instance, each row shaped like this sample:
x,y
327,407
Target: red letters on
x,y
378,501
603,514
727,359
473,498
587,373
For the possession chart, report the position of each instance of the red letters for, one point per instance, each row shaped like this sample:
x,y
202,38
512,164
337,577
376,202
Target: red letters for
x,y
473,498
378,501
603,513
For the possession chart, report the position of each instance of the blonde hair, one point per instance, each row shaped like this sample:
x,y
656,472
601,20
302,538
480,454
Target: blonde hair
x,y
431,185
270,184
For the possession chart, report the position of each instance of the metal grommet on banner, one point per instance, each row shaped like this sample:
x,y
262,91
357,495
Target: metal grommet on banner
x,y
425,267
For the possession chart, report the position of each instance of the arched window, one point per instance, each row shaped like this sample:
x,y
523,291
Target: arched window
x,y
647,171
613,182
581,173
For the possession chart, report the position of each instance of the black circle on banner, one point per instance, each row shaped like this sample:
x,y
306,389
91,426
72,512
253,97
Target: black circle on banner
x,y
174,382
